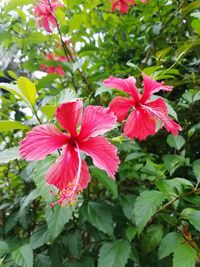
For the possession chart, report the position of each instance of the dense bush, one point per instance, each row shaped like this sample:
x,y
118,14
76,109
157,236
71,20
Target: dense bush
x,y
150,215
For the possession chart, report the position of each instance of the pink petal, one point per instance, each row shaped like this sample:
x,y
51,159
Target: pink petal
x,y
50,70
151,86
139,125
126,85
69,115
158,109
120,106
96,120
45,24
103,153
59,70
41,141
64,170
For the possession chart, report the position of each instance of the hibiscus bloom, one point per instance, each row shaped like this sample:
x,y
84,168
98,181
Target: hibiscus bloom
x,y
146,114
123,5
54,69
70,173
43,12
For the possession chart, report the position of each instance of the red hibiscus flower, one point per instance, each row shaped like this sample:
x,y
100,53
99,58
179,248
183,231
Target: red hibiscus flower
x,y
70,173
43,12
146,114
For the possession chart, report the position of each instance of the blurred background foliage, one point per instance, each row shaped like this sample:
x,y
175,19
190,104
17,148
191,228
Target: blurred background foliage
x,y
149,217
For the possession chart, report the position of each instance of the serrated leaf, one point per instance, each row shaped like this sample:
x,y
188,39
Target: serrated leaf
x,y
184,256
56,219
4,248
99,215
42,260
27,89
145,207
193,216
74,243
23,256
114,254
152,237
39,237
196,169
6,126
175,141
105,180
169,244
9,154
127,204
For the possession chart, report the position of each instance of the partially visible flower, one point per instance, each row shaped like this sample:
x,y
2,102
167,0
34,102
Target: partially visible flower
x,y
44,13
54,69
70,173
146,114
123,5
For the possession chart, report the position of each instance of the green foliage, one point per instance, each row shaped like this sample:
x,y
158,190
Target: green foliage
x,y
149,215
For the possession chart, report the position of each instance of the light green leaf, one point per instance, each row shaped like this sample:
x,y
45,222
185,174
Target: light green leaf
x,y
114,254
196,169
145,207
11,125
99,215
12,4
9,154
56,219
27,89
196,25
184,256
105,180
4,248
169,244
175,141
23,256
39,237
193,216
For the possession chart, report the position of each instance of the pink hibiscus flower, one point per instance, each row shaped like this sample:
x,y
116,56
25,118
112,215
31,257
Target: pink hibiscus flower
x,y
147,114
70,173
44,15
123,5
54,69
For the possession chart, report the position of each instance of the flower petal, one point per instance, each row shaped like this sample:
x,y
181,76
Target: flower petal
x,y
120,106
126,85
64,170
41,141
103,153
96,120
69,115
158,109
139,125
151,86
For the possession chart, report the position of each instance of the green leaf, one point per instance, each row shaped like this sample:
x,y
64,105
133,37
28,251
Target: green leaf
x,y
39,237
11,125
74,243
56,218
23,256
169,244
4,248
27,89
9,154
184,256
193,216
196,25
152,237
42,260
127,204
12,4
114,254
175,141
130,232
196,169
99,215
173,162
105,180
145,207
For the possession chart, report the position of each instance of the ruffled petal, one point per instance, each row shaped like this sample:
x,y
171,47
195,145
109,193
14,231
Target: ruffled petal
x,y
45,24
151,86
139,125
96,120
41,141
126,85
103,153
63,172
158,110
120,106
69,115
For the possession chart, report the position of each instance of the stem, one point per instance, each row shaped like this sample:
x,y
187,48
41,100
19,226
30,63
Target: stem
x,y
35,113
68,53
